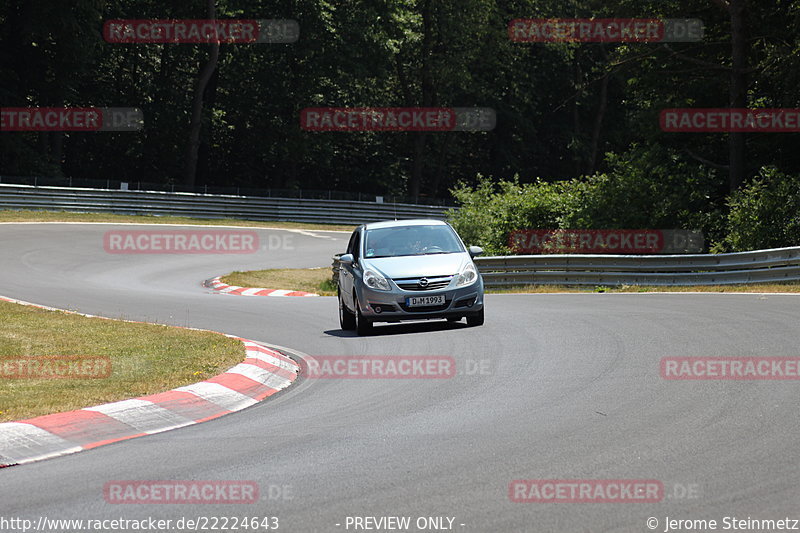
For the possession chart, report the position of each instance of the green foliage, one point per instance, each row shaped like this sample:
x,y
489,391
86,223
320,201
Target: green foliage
x,y
633,195
648,188
645,188
489,212
764,214
554,122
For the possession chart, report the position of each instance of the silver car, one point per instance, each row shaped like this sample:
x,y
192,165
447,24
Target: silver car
x,y
408,270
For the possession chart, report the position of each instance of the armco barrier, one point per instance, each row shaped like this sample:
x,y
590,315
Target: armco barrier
x,y
207,205
779,264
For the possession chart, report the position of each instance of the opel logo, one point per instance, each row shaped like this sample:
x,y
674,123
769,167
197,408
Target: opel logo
x,y
423,282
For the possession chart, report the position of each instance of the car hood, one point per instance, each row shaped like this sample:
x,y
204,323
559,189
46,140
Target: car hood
x,y
415,266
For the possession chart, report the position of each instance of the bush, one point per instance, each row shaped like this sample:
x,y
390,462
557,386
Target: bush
x,y
648,188
645,188
764,214
490,212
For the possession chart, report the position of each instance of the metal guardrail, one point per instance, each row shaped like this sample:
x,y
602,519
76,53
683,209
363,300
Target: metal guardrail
x,y
208,206
779,264
269,192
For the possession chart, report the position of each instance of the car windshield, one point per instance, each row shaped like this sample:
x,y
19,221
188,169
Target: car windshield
x,y
410,240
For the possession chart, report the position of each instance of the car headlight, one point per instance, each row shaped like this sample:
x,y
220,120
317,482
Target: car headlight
x,y
375,281
468,276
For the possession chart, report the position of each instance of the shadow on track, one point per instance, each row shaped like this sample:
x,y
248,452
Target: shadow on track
x,y
399,329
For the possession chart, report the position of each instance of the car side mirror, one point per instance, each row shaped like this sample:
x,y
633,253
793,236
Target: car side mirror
x,y
346,259
474,251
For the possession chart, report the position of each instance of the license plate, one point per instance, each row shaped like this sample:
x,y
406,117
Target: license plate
x,y
423,301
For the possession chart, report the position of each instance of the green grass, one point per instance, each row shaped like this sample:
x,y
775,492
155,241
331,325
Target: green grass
x,y
316,280
145,359
7,215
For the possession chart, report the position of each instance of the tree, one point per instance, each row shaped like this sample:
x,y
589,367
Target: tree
x,y
196,124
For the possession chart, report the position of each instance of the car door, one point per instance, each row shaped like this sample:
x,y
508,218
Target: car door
x,y
347,273
355,268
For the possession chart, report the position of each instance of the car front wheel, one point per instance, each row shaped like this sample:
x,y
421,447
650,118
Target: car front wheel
x,y
476,319
363,326
347,320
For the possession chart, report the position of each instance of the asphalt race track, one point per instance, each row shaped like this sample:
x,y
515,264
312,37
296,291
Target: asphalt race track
x,y
570,389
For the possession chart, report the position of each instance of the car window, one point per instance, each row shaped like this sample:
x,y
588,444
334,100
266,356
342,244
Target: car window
x,y
410,240
351,241
356,245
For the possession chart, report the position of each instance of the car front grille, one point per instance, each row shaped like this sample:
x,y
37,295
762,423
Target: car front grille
x,y
413,284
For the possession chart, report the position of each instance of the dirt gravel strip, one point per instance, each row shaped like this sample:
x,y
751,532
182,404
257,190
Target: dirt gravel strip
x,y
263,372
217,285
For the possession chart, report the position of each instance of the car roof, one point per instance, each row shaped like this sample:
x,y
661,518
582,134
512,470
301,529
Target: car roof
x,y
401,223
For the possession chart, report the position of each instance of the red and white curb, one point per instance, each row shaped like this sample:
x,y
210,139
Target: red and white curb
x,y
218,286
263,372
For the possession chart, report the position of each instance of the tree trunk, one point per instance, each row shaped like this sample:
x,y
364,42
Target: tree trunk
x,y
204,148
196,125
598,119
57,147
418,163
44,145
738,90
440,166
576,116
